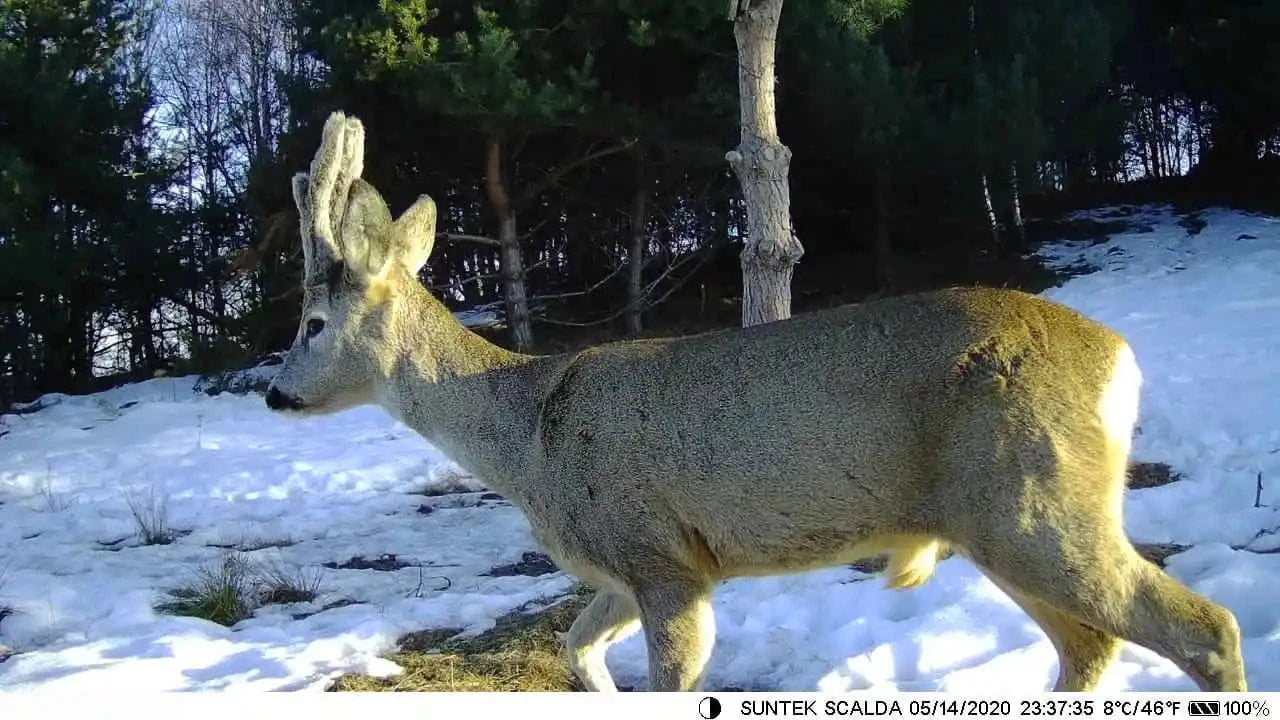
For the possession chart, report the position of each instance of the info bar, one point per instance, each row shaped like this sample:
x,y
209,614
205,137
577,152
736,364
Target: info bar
x,y
710,705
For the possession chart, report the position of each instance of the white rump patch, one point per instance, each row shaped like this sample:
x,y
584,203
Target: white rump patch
x,y
1118,406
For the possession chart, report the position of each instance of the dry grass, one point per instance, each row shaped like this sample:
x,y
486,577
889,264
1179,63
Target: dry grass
x,y
521,653
150,513
284,584
52,500
5,610
251,544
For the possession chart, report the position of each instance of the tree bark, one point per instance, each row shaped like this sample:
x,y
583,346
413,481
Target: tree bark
x,y
1143,143
770,249
512,264
1016,200
142,343
1162,160
635,248
79,346
1233,144
1197,128
992,220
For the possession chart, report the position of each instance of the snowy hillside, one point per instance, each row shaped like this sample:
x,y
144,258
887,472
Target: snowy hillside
x,y
78,588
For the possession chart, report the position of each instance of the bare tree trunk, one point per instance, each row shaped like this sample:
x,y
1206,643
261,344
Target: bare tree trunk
x,y
1198,131
142,341
1016,200
1175,136
992,220
883,242
635,249
770,249
1157,169
1157,115
80,347
1140,127
512,264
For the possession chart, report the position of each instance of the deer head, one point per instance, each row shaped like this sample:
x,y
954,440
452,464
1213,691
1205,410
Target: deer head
x,y
354,256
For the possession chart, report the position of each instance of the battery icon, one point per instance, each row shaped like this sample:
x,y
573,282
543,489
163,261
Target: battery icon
x,y
1204,708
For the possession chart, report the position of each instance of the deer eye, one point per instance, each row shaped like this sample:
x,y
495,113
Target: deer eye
x,y
314,326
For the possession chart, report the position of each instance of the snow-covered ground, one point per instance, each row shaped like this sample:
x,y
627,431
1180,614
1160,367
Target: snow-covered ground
x,y
1202,312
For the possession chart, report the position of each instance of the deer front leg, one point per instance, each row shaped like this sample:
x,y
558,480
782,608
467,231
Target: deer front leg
x,y
680,629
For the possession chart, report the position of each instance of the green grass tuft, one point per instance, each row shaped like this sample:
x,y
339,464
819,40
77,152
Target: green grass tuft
x,y
222,593
230,591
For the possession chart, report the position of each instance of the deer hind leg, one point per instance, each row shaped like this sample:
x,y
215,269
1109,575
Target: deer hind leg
x,y
608,618
1084,652
1200,636
1100,581
679,627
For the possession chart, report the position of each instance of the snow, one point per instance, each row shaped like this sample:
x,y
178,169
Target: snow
x,y
482,316
1202,312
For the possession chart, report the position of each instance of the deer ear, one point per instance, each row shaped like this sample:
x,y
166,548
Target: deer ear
x,y
364,229
414,234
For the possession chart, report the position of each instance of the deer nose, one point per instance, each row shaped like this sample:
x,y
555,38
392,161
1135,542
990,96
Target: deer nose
x,y
277,400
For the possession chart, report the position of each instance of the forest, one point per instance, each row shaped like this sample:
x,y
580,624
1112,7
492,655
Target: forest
x,y
577,152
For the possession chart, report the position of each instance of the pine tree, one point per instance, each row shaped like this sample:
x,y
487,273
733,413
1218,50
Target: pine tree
x,y
75,183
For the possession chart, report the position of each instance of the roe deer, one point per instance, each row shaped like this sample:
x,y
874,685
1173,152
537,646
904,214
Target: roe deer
x,y
990,422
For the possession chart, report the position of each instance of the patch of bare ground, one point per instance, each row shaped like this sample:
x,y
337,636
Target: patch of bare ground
x,y
1159,553
382,563
1142,475
531,564
522,652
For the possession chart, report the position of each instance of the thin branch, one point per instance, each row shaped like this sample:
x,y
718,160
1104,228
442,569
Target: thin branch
x,y
700,253
703,254
531,231
517,147
463,237
222,323
541,263
553,178
486,240
293,291
578,293
458,283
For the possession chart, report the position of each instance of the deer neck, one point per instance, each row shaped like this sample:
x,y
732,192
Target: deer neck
x,y
476,402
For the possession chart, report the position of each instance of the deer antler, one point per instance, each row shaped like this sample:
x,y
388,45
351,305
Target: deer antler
x,y
321,195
